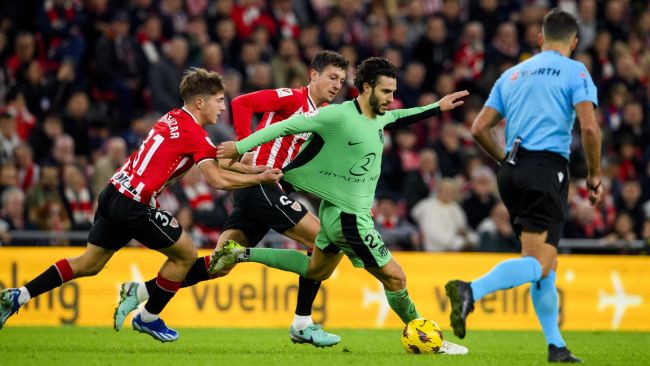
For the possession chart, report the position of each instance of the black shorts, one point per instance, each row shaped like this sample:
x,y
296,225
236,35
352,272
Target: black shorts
x,y
535,191
120,219
263,207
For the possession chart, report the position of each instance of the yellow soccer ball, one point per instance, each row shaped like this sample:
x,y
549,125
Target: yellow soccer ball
x,y
422,336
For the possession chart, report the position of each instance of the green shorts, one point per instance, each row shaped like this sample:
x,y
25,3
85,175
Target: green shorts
x,y
354,234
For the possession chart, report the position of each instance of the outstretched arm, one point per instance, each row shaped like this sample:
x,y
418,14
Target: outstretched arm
x,y
405,117
226,179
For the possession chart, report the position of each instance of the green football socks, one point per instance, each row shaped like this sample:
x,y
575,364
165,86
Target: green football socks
x,y
401,303
284,259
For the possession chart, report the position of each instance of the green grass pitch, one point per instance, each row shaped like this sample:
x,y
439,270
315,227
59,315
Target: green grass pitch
x,y
102,346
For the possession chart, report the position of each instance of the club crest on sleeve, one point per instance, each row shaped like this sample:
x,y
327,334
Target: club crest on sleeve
x,y
283,92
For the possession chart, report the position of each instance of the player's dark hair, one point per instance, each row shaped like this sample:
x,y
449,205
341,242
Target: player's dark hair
x,y
559,25
328,58
371,69
198,82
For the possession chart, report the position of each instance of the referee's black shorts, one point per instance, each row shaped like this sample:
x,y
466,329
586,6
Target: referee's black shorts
x,y
263,207
535,191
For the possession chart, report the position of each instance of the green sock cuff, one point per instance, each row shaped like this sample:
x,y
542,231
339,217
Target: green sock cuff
x,y
401,303
284,259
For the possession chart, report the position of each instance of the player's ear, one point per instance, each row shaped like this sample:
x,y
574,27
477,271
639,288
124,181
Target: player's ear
x,y
574,43
367,88
313,75
540,39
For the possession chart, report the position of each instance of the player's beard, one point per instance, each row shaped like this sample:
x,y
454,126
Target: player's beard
x,y
374,104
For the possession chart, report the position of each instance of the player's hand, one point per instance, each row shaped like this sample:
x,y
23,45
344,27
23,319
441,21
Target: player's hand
x,y
451,101
271,176
227,150
595,188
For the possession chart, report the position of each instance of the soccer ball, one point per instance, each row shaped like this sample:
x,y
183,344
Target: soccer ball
x,y
421,336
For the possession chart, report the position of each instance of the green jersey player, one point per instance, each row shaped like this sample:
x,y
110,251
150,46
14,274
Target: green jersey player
x,y
341,164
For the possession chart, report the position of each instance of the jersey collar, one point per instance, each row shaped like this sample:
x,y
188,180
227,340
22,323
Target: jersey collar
x,y
356,104
190,113
311,105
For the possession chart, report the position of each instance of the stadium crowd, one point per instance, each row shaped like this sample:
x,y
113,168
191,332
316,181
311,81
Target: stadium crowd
x,y
82,81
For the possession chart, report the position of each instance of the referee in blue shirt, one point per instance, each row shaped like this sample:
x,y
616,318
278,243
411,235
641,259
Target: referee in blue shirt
x,y
539,99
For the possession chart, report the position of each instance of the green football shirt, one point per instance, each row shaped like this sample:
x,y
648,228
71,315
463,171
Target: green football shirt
x,y
341,162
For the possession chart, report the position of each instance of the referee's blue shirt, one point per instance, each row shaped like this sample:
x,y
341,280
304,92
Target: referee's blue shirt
x,y
537,99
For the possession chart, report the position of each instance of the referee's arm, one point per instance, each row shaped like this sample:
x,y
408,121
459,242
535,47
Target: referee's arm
x,y
590,132
482,132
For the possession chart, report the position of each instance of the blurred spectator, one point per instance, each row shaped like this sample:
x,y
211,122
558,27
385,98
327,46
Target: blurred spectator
x,y
623,229
173,16
28,171
106,165
76,123
248,14
165,76
495,232
489,14
629,202
420,183
397,233
8,176
287,21
448,150
197,38
77,198
433,50
614,21
226,35
119,65
8,138
481,199
469,58
287,64
409,87
212,58
150,39
53,217
12,216
442,221
37,87
63,151
60,23
24,53
17,107
46,190
588,24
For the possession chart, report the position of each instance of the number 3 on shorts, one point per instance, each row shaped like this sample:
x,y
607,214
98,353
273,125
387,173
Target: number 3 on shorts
x,y
161,217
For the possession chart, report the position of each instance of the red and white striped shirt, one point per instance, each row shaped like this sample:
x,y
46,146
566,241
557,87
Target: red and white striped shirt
x,y
277,105
174,144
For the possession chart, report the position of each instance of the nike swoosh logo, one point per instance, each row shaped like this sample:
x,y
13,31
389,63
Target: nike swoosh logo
x,y
350,143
